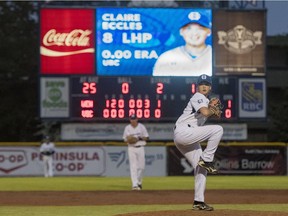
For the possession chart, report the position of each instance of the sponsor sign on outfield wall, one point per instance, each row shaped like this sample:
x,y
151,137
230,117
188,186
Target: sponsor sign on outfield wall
x,y
79,161
27,161
236,160
118,164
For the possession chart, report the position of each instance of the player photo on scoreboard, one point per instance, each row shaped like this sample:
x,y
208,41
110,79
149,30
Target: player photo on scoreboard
x,y
239,42
153,42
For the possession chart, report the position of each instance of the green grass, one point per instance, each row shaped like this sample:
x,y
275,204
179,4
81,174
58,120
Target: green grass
x,y
123,209
151,183
123,183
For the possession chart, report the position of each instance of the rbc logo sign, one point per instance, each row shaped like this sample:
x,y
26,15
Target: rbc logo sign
x,y
252,97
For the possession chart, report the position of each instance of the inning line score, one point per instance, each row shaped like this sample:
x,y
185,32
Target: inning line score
x,y
151,98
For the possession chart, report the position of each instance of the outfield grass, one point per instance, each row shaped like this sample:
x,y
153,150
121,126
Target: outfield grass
x,y
151,183
123,183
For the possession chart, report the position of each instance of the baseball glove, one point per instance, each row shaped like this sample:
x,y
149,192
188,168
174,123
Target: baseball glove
x,y
131,139
215,107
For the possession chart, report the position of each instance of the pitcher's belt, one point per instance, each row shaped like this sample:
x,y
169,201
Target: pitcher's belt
x,y
187,125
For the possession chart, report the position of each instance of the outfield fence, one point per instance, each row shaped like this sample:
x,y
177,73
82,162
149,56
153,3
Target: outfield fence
x,y
162,159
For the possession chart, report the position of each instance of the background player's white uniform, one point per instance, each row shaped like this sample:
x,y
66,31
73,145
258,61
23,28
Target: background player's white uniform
x,y
178,62
136,152
47,150
189,132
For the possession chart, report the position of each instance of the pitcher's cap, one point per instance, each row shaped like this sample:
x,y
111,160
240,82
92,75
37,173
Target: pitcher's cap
x,y
133,116
204,79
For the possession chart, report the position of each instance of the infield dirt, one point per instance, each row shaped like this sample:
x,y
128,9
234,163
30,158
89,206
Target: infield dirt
x,y
143,197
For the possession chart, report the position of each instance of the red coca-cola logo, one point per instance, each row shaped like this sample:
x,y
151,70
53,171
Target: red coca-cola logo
x,y
67,41
77,37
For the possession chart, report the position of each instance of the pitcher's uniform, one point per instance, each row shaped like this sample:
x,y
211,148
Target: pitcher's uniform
x,y
136,152
189,132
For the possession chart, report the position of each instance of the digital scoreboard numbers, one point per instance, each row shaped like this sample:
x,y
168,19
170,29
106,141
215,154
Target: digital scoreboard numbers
x,y
150,98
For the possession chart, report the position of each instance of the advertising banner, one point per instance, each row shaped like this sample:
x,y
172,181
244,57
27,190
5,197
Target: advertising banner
x,y
251,160
80,161
252,98
67,41
239,42
236,160
54,97
178,165
27,161
113,161
108,131
157,131
117,162
235,132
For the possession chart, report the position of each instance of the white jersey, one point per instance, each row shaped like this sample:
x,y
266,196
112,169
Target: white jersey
x,y
47,150
138,131
136,153
190,114
178,62
189,132
47,147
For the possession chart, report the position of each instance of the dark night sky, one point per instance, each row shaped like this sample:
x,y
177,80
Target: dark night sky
x,y
277,17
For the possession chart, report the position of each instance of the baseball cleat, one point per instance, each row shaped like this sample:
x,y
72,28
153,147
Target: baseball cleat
x,y
209,166
136,188
140,186
202,206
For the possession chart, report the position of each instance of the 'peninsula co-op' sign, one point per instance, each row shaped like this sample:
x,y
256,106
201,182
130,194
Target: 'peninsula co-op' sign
x,y
77,161
27,161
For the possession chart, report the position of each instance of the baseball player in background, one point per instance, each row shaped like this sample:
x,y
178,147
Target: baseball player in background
x,y
135,135
47,150
190,130
195,57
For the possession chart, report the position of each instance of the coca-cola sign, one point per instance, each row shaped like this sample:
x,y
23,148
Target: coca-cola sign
x,y
67,41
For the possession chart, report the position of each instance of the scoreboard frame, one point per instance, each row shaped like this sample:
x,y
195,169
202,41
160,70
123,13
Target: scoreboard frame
x,y
69,93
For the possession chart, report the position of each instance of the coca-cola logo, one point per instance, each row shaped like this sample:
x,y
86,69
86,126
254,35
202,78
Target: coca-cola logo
x,y
75,38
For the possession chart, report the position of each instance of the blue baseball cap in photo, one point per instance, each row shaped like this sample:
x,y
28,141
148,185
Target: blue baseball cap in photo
x,y
204,79
196,17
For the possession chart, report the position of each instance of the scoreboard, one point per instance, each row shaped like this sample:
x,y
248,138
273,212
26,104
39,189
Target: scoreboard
x,y
96,64
151,98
